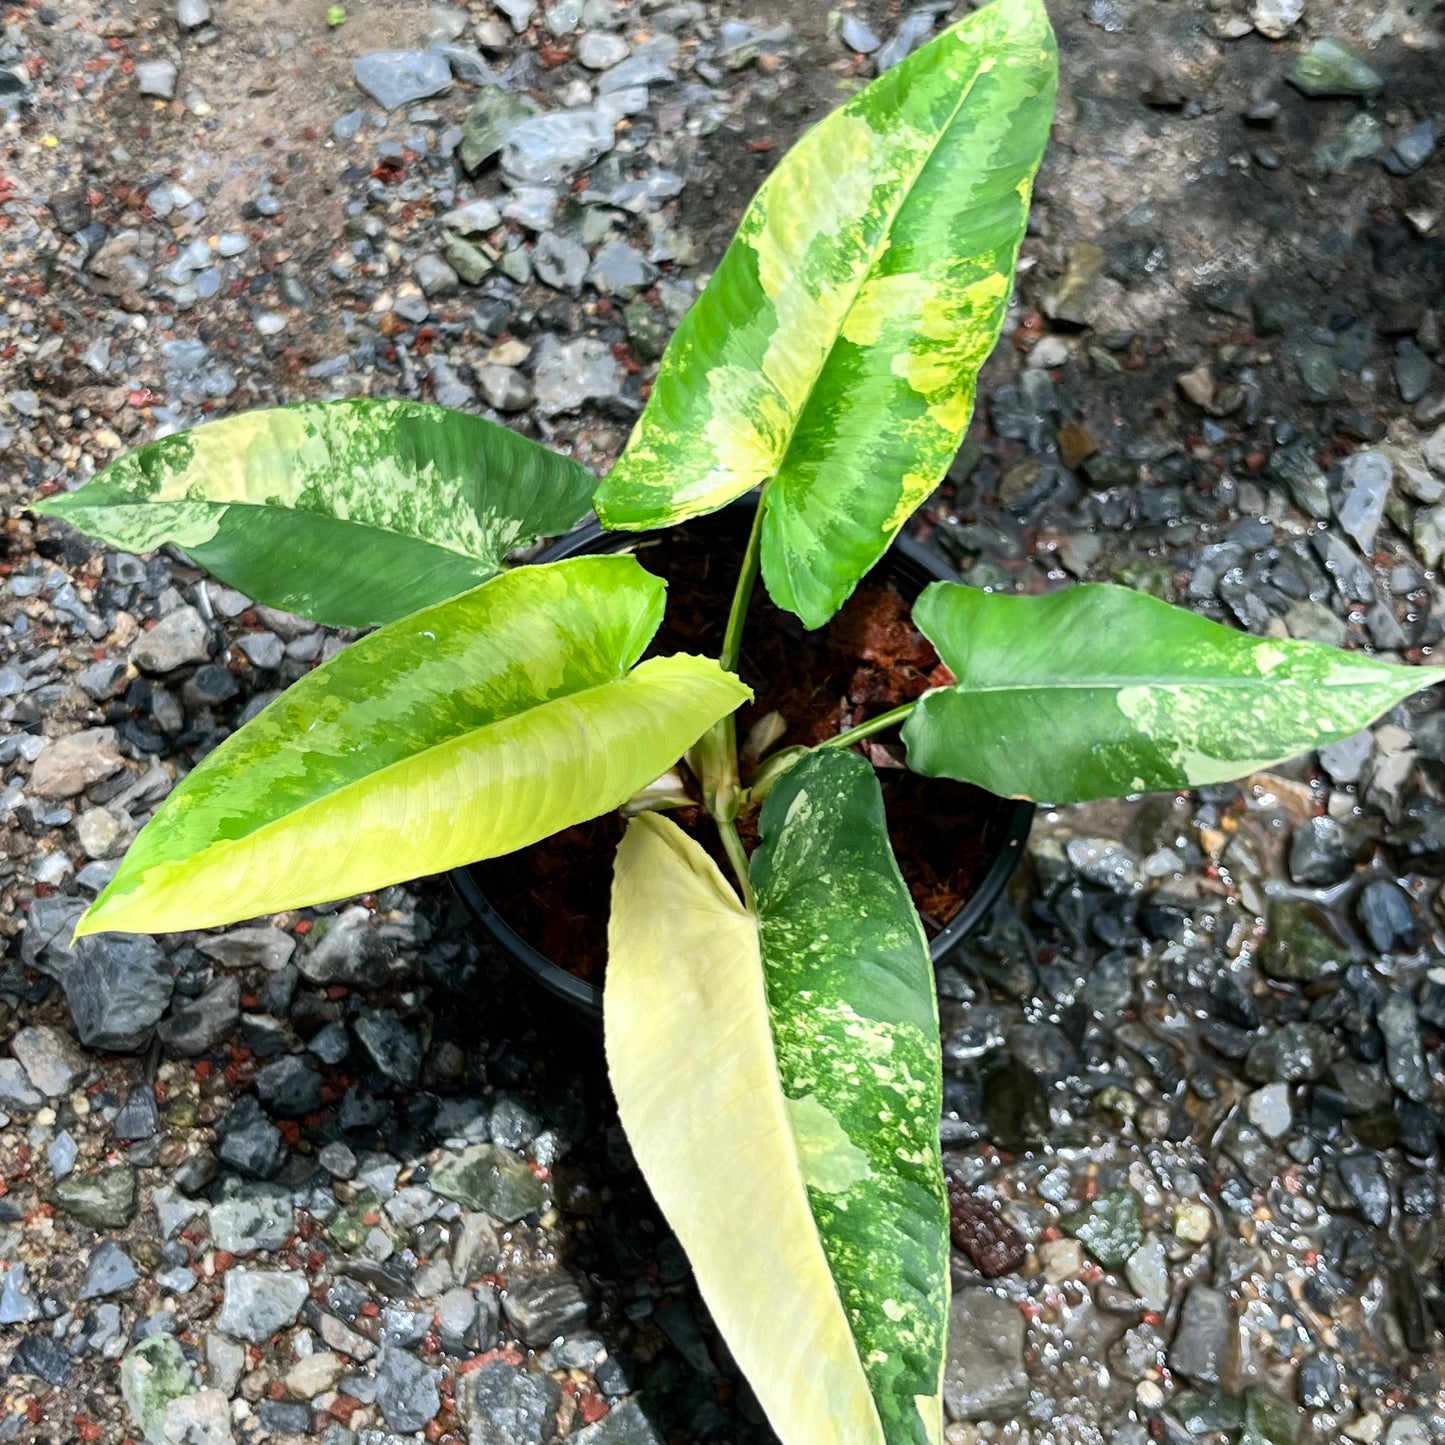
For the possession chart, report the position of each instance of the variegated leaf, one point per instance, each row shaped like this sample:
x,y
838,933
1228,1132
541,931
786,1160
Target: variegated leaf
x,y
784,1070
348,512
1097,691
834,353
466,730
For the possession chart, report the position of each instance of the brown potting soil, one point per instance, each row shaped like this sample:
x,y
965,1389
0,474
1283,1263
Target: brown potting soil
x,y
869,659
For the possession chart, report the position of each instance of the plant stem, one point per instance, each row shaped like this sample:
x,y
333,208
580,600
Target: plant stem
x,y
737,855
873,725
743,594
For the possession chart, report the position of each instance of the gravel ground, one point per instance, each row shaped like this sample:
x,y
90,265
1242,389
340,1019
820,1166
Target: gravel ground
x,y
339,1174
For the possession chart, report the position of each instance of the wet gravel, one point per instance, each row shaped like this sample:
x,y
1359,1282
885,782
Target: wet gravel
x,y
338,1174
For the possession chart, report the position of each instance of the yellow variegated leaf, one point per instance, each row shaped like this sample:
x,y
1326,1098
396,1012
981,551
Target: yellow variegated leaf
x,y
690,1055
834,353
470,729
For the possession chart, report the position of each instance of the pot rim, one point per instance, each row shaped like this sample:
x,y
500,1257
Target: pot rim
x,y
588,996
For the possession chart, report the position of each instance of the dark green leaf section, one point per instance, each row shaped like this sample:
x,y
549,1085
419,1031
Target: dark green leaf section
x,y
855,1025
352,513
1098,691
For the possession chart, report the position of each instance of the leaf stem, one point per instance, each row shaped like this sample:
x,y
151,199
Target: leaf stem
x,y
738,856
743,593
873,725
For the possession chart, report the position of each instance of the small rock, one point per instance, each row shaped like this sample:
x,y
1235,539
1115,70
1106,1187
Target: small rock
x,y
506,1405
1321,852
153,1374
1404,1051
546,149
1365,1182
857,36
600,51
260,1218
434,276
117,986
488,123
570,373
1201,1343
392,1047
541,1308
560,262
50,1058
1269,1110
406,1391
103,1200
315,1374
197,1025
504,387
71,764
350,952
110,1271
260,1302
192,14
490,1179
1329,67
394,78
1365,479
983,1375
156,77
1109,1228
1148,1273
200,1419
620,270
179,638
1276,18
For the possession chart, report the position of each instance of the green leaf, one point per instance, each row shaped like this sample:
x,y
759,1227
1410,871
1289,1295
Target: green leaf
x,y
1097,691
471,729
351,513
834,353
785,1070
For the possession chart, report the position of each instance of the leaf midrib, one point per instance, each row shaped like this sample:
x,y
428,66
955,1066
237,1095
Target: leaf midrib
x,y
965,689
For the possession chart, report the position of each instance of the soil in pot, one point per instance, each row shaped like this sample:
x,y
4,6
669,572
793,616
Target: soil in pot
x,y
869,659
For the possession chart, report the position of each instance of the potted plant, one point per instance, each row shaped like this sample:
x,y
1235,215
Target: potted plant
x,y
772,1038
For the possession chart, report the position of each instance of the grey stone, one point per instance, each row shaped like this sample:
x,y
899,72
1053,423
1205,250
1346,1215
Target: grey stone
x,y
466,64
1321,852
1276,18
156,77
570,373
51,1059
262,649
1269,1110
540,1308
394,78
260,1302
350,952
1346,760
473,218
179,638
250,1142
257,1218
519,12
110,1271
504,387
1404,1051
69,765
117,986
406,1391
857,36
392,1047
1411,150
914,30
289,1087
259,947
200,1419
546,149
434,276
621,270
600,51
17,1094
649,64
192,14
198,1024
983,1374
560,262
1364,1179
17,1305
138,1117
484,1177
1201,1343
505,1405
1148,1273
1365,479
470,262
624,1424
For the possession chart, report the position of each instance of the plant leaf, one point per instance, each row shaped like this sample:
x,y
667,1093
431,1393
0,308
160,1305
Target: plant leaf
x,y
751,1077
855,1025
461,732
833,354
351,513
1097,691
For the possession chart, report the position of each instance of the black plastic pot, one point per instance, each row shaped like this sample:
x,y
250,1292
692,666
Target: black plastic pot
x,y
912,567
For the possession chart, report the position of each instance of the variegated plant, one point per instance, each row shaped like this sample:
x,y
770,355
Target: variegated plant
x,y
774,1044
